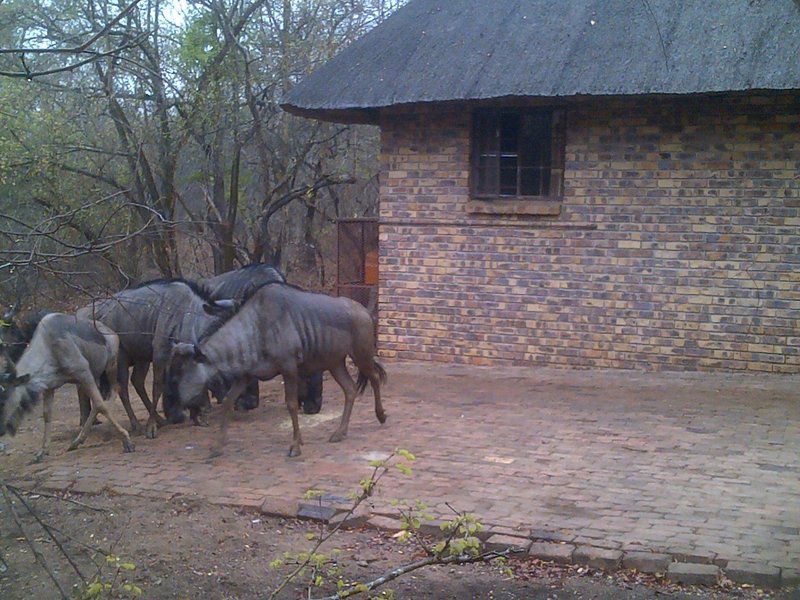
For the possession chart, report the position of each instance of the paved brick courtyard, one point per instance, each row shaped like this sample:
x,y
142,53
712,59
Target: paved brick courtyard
x,y
694,464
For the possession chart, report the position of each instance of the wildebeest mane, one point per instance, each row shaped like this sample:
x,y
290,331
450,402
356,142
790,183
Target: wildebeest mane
x,y
258,265
216,326
198,289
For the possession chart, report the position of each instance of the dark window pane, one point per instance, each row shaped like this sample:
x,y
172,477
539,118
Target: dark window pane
x,y
486,152
486,181
531,181
515,152
509,132
508,182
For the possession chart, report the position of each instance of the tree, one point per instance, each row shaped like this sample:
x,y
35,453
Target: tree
x,y
170,138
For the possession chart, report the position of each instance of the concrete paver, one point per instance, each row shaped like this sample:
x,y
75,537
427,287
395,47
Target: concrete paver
x,y
706,466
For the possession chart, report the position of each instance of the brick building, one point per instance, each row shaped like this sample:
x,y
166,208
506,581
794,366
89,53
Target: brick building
x,y
613,184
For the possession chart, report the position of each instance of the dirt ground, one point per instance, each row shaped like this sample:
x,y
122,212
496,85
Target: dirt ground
x,y
186,548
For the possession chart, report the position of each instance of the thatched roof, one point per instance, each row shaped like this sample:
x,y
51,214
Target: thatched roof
x,y
446,50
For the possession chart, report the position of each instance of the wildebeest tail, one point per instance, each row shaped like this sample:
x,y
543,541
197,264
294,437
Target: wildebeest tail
x,y
363,380
104,385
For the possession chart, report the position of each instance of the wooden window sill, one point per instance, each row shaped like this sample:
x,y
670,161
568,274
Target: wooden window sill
x,y
503,206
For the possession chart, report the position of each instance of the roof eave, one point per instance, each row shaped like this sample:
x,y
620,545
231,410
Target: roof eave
x,y
371,115
349,116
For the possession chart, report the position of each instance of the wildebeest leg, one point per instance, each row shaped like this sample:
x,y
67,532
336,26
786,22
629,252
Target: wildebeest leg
x,y
375,383
138,378
348,386
85,407
122,380
196,412
47,412
227,407
292,404
151,429
99,406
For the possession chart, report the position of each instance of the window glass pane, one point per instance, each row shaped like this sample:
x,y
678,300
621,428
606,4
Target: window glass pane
x,y
508,175
487,155
531,181
517,152
509,132
486,181
536,139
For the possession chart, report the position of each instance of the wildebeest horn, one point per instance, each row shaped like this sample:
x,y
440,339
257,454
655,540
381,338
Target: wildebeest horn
x,y
219,307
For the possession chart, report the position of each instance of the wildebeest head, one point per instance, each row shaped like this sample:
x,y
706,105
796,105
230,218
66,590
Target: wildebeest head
x,y
11,398
309,393
187,375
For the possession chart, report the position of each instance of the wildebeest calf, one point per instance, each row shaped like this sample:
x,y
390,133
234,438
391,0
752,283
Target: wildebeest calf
x,y
64,349
282,330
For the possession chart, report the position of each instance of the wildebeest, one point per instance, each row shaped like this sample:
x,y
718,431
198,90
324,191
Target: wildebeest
x,y
282,330
64,349
147,318
238,285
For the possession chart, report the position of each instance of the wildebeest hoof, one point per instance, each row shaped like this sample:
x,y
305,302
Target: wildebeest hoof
x,y
151,431
381,417
337,436
136,428
161,420
294,451
39,456
200,421
73,445
128,446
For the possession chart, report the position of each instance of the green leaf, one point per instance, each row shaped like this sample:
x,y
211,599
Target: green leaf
x,y
127,566
318,581
406,454
403,468
93,590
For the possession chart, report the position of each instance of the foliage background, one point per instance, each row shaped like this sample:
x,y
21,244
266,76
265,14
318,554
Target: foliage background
x,y
160,150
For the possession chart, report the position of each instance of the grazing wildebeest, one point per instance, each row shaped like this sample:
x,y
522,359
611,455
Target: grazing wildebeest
x,y
147,318
238,285
282,330
64,349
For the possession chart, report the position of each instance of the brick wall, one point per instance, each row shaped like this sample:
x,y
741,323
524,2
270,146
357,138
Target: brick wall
x,y
676,246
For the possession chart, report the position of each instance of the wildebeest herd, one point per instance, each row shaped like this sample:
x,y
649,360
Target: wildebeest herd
x,y
220,336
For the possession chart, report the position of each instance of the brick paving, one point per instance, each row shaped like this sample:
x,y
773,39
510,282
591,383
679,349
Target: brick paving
x,y
705,467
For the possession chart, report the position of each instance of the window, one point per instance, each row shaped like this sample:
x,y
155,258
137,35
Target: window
x,y
517,154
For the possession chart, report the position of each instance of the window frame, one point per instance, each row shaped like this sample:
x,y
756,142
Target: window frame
x,y
521,204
